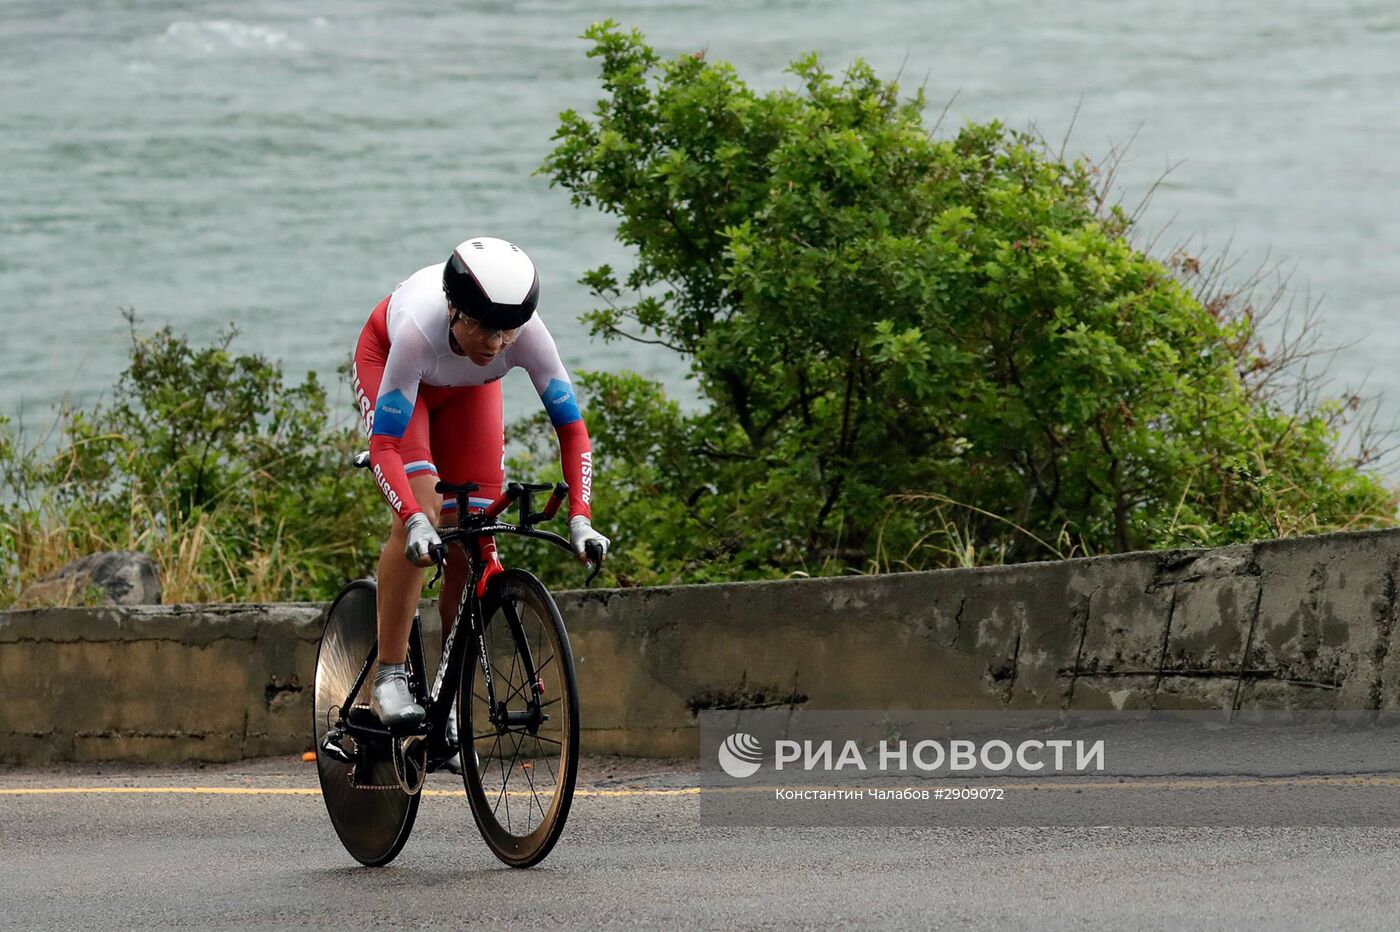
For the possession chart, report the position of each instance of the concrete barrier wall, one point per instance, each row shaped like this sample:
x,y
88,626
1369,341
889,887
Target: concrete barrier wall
x,y
1303,623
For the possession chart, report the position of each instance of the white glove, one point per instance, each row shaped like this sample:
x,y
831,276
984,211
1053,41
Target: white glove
x,y
421,539
581,533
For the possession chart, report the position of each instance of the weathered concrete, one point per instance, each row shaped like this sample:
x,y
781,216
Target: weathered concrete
x,y
206,682
1304,623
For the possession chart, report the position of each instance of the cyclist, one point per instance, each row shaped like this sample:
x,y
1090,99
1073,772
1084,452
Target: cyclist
x,y
426,374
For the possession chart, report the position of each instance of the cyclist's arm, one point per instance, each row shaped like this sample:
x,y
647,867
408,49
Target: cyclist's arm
x,y
398,391
540,358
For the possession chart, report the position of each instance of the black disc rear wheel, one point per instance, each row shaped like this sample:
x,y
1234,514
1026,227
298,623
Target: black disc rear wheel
x,y
371,813
520,759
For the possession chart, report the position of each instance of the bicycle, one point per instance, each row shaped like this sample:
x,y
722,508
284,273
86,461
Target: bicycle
x,y
516,703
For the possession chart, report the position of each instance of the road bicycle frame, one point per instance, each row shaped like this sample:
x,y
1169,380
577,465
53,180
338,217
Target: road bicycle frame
x,y
474,531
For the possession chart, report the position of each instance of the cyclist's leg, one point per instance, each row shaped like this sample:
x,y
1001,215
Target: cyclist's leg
x,y
467,437
400,582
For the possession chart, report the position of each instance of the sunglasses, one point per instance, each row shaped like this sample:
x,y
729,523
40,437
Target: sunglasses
x,y
507,337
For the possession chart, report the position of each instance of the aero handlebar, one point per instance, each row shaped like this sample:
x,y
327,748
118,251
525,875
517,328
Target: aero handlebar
x,y
513,492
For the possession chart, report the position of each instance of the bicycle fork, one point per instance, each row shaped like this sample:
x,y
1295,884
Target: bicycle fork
x,y
487,565
532,716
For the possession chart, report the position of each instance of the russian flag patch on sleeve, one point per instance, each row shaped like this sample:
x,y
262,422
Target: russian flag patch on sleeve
x,y
392,414
560,402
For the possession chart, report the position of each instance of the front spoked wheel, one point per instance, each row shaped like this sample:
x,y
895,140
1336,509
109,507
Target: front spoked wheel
x,y
364,795
520,756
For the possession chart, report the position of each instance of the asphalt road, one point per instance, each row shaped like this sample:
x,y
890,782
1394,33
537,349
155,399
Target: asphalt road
x,y
249,845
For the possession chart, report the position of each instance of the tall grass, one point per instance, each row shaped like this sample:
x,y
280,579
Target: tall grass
x,y
235,484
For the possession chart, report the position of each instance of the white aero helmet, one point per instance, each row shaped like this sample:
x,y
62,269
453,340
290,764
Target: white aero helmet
x,y
492,281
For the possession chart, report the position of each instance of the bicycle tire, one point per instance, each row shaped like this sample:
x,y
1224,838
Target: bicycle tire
x,y
520,841
372,824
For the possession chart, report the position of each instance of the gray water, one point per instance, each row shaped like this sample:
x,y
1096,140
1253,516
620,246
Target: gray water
x,y
283,165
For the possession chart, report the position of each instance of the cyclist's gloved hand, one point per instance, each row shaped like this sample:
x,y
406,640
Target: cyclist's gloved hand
x,y
422,538
581,534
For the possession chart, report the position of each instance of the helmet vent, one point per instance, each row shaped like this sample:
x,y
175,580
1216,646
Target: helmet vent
x,y
478,244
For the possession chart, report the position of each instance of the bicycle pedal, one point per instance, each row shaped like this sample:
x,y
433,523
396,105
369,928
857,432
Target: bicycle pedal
x,y
453,763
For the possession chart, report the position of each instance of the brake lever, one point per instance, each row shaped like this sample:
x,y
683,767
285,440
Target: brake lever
x,y
439,554
595,554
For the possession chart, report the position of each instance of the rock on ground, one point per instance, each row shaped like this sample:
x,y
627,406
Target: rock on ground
x,y
122,577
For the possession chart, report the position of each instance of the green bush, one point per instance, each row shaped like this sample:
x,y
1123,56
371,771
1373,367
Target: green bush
x,y
235,482
911,351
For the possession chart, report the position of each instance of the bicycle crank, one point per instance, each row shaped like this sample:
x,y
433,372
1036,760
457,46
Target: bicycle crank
x,y
411,762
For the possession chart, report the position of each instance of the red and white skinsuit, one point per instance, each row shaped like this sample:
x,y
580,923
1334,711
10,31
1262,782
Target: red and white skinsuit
x,y
430,409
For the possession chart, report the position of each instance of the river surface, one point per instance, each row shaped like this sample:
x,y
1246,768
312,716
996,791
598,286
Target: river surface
x,y
283,165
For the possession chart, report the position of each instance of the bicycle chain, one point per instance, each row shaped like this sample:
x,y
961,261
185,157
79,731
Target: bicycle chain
x,y
362,786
